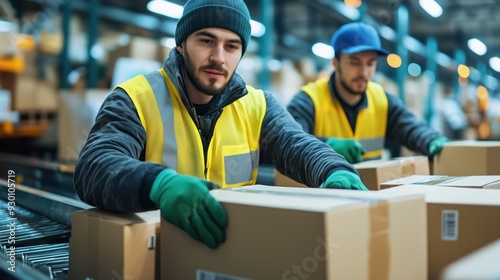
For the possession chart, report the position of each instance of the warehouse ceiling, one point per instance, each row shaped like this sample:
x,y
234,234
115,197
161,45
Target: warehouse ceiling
x,y
300,23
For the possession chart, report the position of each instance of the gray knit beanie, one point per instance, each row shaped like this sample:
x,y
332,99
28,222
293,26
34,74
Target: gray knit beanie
x,y
232,15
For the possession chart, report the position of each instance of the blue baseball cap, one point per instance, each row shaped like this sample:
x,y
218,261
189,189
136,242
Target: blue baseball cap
x,y
357,37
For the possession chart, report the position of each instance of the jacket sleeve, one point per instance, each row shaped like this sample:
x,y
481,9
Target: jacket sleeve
x,y
296,153
301,107
109,172
406,129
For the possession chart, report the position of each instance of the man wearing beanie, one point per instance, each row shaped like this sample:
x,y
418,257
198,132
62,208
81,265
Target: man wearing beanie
x,y
354,115
165,139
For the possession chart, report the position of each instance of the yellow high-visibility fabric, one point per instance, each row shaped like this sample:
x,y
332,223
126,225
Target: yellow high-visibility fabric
x,y
234,146
330,119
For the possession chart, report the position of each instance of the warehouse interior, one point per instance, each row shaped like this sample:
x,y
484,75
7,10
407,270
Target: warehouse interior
x,y
60,59
66,48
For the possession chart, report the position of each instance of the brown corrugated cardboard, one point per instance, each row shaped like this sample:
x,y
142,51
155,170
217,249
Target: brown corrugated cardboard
x,y
459,221
477,182
480,264
282,180
460,158
76,115
299,233
106,245
374,172
33,94
137,47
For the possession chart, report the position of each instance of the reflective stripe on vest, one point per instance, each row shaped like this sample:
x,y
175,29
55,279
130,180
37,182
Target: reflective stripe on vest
x,y
173,138
164,104
330,119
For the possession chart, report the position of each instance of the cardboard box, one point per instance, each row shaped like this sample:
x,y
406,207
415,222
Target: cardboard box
x,y
33,94
459,158
106,245
298,233
282,180
138,47
76,116
480,264
477,182
375,172
459,221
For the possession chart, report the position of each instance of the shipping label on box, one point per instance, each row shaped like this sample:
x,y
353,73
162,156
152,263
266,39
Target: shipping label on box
x,y
459,221
303,233
107,245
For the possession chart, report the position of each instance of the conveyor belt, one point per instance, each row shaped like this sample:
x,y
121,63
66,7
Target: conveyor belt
x,y
36,241
44,200
39,222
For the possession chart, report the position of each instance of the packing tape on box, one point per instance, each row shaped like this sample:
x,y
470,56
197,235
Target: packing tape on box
x,y
436,180
379,241
379,246
407,166
301,194
92,245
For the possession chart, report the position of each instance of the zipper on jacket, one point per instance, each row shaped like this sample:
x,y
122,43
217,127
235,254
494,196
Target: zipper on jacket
x,y
194,116
209,138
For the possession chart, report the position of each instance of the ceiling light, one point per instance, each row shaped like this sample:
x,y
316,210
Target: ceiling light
x,y
463,71
477,46
172,10
258,29
274,65
168,42
394,60
495,63
414,69
431,7
165,8
388,33
353,3
323,50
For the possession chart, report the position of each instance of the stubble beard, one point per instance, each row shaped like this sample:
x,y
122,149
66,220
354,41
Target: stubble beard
x,y
210,88
346,86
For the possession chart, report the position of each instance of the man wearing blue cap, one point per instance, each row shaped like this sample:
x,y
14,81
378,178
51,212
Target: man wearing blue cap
x,y
163,140
354,115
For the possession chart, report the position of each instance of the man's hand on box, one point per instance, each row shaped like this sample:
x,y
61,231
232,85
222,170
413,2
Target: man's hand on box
x,y
342,179
185,201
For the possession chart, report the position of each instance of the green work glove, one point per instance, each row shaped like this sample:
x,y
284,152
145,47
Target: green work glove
x,y
185,201
349,148
437,144
343,179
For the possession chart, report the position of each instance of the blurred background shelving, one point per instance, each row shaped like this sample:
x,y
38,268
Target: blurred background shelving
x,y
59,59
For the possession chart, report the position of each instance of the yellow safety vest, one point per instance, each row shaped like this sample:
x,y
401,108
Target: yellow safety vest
x,y
174,141
330,119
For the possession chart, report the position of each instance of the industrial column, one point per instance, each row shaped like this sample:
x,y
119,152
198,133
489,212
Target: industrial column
x,y
64,59
402,22
266,42
431,53
92,35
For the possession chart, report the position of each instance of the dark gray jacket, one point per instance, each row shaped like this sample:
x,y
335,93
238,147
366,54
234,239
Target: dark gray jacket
x,y
111,173
402,126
